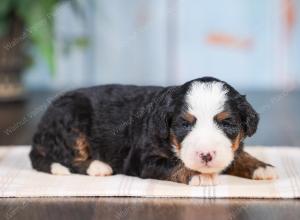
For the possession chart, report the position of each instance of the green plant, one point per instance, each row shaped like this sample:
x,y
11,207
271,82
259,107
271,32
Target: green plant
x,y
37,17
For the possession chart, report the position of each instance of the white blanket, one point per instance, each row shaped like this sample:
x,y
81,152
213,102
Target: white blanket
x,y
18,179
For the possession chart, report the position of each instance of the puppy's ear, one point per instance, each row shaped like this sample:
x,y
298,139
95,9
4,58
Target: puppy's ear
x,y
249,117
162,125
162,113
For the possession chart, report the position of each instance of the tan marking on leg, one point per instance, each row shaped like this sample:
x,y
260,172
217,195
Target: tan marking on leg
x,y
245,165
181,174
82,149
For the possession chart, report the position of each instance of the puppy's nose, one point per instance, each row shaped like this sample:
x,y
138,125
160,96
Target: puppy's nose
x,y
206,157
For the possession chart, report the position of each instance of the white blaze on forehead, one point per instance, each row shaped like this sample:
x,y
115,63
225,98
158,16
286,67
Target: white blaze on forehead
x,y
206,99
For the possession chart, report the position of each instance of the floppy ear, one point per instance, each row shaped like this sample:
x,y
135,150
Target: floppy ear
x,y
163,107
161,123
249,117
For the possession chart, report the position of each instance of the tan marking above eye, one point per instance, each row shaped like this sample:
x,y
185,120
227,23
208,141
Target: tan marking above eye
x,y
222,116
189,117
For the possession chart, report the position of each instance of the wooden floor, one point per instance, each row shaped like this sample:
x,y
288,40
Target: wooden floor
x,y
146,208
280,125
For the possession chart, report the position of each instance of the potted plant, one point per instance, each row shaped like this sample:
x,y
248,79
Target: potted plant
x,y
23,22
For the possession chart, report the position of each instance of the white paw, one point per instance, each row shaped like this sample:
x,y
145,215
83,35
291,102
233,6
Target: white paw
x,y
99,168
265,173
204,180
58,169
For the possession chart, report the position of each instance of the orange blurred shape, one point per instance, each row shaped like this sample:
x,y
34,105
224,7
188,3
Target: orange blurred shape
x,y
289,14
224,39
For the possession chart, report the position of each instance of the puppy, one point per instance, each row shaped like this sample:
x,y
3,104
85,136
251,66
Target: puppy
x,y
187,134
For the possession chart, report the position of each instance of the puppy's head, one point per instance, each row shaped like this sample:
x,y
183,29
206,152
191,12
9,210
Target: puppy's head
x,y
209,121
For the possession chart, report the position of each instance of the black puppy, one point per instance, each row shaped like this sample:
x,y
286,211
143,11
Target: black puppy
x,y
181,133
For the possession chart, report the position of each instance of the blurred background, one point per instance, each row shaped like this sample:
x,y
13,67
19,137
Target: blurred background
x,y
50,46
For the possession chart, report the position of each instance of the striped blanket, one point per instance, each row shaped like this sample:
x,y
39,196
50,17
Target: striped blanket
x,y
18,179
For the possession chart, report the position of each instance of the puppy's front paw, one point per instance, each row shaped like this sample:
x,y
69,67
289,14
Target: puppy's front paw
x,y
265,173
99,168
204,180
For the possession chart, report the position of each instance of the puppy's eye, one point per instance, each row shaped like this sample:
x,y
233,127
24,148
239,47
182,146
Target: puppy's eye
x,y
185,124
187,120
228,122
225,119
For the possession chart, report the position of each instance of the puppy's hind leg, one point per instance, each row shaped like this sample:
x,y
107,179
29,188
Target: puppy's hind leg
x,y
42,162
61,139
39,160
